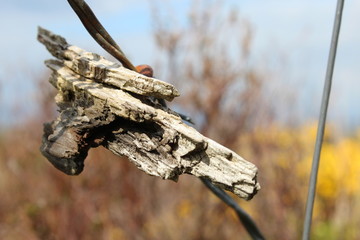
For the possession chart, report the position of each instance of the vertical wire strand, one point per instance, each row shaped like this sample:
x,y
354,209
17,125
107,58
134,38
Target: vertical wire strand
x,y
322,121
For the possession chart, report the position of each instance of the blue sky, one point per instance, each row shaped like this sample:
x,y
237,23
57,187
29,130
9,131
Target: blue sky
x,y
298,30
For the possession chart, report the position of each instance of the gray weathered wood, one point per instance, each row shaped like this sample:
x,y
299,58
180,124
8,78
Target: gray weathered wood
x,y
101,103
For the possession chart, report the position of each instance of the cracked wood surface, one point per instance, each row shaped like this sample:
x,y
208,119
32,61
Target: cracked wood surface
x,y
102,103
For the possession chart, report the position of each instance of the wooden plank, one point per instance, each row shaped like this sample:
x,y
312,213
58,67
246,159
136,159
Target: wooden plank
x,y
95,111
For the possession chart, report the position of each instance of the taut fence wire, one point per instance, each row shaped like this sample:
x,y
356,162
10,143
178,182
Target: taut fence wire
x,y
104,39
322,121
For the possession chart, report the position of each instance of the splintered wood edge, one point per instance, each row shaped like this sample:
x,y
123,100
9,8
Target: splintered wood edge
x,y
96,67
195,154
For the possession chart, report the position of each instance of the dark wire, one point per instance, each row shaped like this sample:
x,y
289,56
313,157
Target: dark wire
x,y
98,32
322,121
245,219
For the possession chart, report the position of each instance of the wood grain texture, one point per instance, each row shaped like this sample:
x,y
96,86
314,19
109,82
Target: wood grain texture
x,y
102,103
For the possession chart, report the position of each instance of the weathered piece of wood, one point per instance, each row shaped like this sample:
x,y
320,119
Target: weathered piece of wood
x,y
102,103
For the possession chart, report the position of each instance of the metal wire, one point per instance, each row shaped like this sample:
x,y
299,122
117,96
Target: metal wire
x,y
322,121
245,219
98,32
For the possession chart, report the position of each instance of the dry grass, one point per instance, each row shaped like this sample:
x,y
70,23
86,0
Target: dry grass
x,y
111,199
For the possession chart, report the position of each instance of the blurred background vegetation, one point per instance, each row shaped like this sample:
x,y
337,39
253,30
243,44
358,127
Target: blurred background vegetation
x,y
231,98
